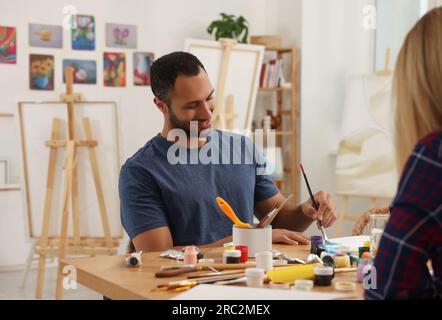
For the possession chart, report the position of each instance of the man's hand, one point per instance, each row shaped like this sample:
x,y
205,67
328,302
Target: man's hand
x,y
289,237
326,211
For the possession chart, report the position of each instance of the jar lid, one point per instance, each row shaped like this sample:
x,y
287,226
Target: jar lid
x,y
190,249
254,272
232,253
316,240
279,285
302,284
228,244
345,286
340,254
323,271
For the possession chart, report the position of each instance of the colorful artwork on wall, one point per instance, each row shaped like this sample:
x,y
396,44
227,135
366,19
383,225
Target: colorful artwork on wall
x,y
41,72
83,33
8,45
114,69
85,71
141,65
45,36
121,36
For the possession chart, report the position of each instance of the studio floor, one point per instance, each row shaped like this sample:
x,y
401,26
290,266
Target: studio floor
x,y
10,287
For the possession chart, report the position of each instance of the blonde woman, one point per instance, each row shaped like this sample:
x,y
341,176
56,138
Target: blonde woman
x,y
413,236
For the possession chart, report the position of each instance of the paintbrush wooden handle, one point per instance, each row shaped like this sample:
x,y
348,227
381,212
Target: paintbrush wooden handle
x,y
175,272
231,266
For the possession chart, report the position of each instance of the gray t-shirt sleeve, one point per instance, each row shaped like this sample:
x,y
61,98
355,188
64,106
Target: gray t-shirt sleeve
x,y
141,205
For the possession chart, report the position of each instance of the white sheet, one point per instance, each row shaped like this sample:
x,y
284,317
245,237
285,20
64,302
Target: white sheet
x,y
217,292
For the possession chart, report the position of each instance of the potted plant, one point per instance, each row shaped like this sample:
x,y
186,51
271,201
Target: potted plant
x,y
230,27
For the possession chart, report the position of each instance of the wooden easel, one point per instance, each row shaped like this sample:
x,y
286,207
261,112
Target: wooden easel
x,y
343,212
221,119
61,245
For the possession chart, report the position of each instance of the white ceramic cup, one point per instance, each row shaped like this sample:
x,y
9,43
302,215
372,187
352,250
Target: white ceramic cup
x,y
256,239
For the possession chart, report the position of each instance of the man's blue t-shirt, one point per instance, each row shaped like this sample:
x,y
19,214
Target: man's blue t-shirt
x,y
156,191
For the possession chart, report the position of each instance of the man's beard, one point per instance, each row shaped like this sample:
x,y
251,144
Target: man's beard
x,y
185,126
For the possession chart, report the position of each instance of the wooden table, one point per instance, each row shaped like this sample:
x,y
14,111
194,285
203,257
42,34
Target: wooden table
x,y
109,276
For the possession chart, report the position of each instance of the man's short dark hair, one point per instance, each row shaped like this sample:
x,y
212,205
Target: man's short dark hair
x,y
166,69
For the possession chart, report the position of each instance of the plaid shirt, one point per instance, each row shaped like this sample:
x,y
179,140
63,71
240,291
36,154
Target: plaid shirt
x,y
413,234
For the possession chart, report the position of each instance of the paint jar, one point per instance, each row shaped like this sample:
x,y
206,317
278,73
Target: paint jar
x,y
264,260
315,242
205,262
342,260
279,285
303,285
231,256
361,250
256,239
244,253
255,277
190,255
345,286
229,246
323,276
363,263
366,255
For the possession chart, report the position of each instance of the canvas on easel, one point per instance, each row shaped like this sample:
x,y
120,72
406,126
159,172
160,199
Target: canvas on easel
x,y
234,71
70,164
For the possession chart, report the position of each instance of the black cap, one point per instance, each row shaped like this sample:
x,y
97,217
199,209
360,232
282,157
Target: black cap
x,y
133,261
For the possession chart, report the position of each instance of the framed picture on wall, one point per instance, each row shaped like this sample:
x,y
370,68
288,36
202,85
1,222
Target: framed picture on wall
x,y
114,69
83,33
41,72
85,71
8,45
45,36
121,36
141,64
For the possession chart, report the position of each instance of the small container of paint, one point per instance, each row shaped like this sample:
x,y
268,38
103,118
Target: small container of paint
x,y
316,242
345,286
361,250
255,277
279,285
323,276
190,255
256,239
229,246
244,253
362,264
231,256
303,285
342,260
264,260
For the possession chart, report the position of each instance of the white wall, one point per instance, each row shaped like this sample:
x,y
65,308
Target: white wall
x,y
334,44
162,27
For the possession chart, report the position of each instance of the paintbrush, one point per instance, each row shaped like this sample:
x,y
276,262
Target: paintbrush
x,y
193,268
184,283
315,205
269,217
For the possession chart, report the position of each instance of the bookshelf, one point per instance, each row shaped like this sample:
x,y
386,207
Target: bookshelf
x,y
287,107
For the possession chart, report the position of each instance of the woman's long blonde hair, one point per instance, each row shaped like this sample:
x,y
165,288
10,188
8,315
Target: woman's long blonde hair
x,y
418,85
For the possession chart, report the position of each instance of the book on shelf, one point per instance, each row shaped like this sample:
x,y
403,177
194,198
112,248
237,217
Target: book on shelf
x,y
271,74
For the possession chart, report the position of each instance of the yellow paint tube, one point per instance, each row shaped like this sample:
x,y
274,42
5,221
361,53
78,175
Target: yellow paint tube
x,y
291,274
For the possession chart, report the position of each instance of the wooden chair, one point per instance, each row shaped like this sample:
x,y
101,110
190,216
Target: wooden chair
x,y
363,220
